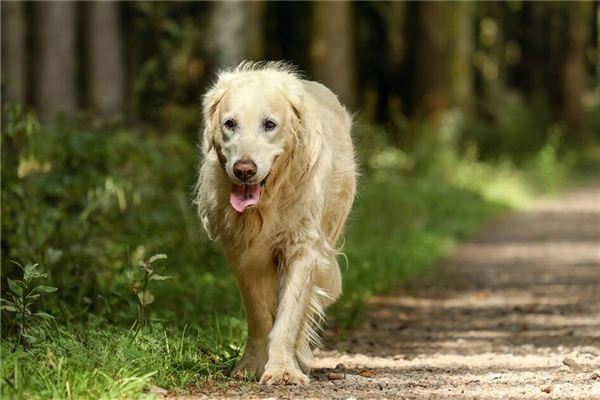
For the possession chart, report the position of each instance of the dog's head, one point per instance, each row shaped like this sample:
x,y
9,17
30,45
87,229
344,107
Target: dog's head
x,y
251,115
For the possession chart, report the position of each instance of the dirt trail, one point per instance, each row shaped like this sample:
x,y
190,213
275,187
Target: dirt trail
x,y
516,316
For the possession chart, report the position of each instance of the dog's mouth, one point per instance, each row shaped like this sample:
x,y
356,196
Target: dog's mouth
x,y
246,195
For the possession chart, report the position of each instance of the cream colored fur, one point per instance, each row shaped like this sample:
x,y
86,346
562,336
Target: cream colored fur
x,y
283,249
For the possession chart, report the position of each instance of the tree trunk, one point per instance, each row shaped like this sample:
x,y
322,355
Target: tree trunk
x,y
537,62
597,12
461,68
55,90
332,48
106,74
394,15
432,87
13,52
597,6
237,31
573,70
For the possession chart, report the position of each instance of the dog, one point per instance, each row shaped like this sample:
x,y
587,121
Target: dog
x,y
276,184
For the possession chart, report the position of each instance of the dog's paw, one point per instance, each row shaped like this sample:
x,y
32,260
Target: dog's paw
x,y
248,368
283,376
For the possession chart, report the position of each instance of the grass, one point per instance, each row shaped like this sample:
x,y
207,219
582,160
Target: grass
x,y
91,362
98,216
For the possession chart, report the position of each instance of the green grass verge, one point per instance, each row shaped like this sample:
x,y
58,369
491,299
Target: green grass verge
x,y
91,362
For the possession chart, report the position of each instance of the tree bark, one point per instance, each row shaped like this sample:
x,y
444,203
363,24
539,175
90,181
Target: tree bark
x,y
237,31
13,52
597,6
432,87
332,48
56,89
461,68
106,74
573,69
394,15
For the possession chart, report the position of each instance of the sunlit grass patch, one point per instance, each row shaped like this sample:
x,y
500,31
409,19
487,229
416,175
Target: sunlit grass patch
x,y
104,362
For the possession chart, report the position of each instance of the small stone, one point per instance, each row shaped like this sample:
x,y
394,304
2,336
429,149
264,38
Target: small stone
x,y
547,389
591,350
340,366
335,376
570,362
156,390
595,375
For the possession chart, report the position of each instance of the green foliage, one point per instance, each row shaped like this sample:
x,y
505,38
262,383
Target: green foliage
x,y
90,203
22,296
169,59
548,169
513,129
142,290
99,361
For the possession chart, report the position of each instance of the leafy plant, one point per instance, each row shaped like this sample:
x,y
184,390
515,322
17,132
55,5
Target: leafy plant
x,y
144,296
86,194
22,296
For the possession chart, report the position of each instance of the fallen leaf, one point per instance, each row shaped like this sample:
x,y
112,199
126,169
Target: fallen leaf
x,y
367,373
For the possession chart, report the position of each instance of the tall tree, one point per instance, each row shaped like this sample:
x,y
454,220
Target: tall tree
x,y
106,75
432,66
332,48
55,89
574,71
13,51
237,32
597,26
394,15
461,47
535,70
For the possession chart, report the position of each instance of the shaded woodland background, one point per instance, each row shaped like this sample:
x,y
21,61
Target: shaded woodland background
x,y
464,110
389,61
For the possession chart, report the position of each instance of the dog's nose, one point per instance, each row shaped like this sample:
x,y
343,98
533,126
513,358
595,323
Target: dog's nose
x,y
244,169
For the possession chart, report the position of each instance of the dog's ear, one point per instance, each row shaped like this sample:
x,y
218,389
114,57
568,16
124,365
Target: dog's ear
x,y
297,119
210,113
307,128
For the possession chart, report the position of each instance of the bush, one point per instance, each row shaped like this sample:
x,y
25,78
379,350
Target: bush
x,y
89,204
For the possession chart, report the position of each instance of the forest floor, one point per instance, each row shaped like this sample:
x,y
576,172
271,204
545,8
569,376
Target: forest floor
x,y
514,313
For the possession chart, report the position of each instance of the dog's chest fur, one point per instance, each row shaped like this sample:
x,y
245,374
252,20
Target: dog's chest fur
x,y
253,236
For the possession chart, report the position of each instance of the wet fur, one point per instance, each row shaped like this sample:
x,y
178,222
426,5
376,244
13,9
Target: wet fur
x,y
283,250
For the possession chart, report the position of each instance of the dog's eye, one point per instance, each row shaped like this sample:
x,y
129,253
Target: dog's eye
x,y
269,125
230,123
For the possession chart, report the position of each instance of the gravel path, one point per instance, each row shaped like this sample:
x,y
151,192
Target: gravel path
x,y
515,313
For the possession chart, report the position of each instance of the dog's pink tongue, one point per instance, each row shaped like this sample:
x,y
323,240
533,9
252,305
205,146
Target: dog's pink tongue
x,y
243,196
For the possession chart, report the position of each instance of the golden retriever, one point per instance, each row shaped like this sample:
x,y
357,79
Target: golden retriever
x,y
275,187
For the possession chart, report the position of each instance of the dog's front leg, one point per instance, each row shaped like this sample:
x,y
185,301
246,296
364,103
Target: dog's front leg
x,y
258,287
296,284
